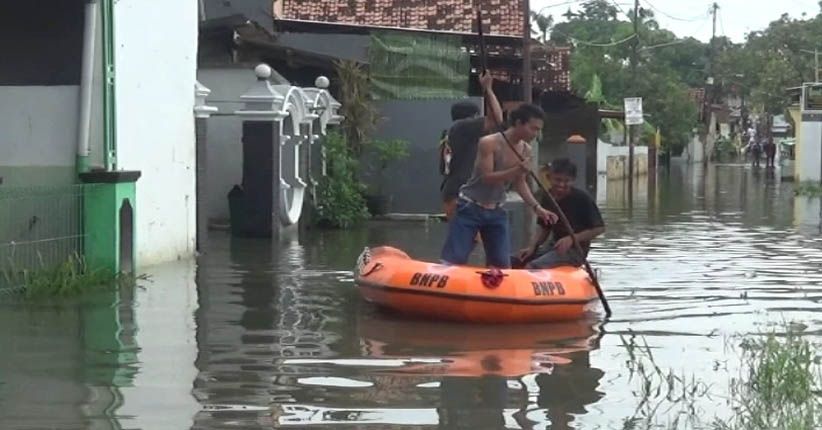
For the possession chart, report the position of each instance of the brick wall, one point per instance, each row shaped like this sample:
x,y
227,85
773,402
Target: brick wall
x,y
501,17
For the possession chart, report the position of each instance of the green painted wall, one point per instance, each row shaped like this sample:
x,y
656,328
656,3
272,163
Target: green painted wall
x,y
102,219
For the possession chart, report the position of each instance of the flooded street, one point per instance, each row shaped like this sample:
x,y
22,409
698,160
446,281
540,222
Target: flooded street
x,y
256,335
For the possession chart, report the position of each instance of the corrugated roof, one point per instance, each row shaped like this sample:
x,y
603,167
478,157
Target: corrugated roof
x,y
501,17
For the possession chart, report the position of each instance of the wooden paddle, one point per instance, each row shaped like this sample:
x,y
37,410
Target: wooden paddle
x,y
533,175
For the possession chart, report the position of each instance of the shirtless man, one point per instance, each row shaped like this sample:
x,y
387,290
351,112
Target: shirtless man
x,y
479,207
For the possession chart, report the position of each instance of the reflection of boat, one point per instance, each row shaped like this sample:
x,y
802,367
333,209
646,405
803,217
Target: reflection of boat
x,y
510,350
478,367
390,278
464,376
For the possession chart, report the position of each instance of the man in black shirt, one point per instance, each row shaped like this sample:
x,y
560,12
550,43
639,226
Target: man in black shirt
x,y
582,213
463,140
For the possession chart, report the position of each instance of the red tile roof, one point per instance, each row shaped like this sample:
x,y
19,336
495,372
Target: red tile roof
x,y
502,17
551,66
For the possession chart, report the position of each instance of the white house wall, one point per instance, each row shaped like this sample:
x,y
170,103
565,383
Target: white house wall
x,y
605,150
39,91
38,129
156,54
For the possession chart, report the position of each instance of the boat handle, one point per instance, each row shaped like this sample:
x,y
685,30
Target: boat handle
x,y
374,268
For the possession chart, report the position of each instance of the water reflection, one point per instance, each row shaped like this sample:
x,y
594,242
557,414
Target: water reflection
x,y
63,365
286,342
455,376
807,212
261,305
160,395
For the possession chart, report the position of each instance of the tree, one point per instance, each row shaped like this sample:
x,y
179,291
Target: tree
x,y
770,61
666,66
543,23
760,69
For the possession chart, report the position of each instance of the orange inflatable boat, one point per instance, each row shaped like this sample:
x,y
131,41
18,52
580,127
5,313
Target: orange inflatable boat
x,y
390,278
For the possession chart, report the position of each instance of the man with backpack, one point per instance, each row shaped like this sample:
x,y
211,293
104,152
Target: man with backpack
x,y
458,149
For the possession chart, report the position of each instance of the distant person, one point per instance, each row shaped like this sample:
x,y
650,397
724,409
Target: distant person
x,y
582,213
479,206
751,134
770,152
756,152
459,149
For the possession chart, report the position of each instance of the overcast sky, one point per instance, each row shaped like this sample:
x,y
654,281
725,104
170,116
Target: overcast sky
x,y
691,17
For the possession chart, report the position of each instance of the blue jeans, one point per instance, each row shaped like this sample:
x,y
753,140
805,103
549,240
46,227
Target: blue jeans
x,y
492,224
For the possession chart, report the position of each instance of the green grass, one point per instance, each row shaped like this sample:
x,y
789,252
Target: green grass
x,y
72,278
809,189
666,399
779,387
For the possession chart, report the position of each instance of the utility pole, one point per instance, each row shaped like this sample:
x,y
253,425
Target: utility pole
x,y
527,97
527,80
634,53
710,93
815,53
629,136
713,31
711,55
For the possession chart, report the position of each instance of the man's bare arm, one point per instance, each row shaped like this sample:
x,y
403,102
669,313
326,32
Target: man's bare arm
x,y
493,115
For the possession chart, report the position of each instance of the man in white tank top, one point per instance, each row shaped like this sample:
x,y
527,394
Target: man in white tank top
x,y
479,208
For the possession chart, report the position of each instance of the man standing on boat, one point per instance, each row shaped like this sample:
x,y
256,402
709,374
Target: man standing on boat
x,y
460,150
479,206
582,213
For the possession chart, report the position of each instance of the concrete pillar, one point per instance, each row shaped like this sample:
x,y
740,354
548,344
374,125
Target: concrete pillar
x,y
201,114
109,217
809,148
252,204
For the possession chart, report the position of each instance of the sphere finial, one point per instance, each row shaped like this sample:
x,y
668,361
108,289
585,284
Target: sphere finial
x,y
263,71
321,82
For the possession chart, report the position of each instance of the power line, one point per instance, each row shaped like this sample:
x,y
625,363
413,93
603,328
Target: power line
x,y
701,26
661,45
696,18
595,44
620,8
539,11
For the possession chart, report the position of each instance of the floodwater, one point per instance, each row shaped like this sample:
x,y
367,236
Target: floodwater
x,y
255,335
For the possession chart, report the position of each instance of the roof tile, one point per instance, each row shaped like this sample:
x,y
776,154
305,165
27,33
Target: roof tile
x,y
504,17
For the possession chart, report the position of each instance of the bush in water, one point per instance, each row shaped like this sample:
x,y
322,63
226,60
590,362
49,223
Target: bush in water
x,y
777,388
779,385
809,189
339,201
